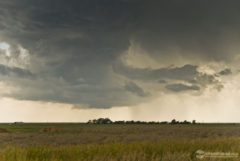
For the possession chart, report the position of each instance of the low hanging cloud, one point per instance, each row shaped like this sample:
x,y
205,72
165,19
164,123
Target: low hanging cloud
x,y
226,72
162,81
72,48
182,87
134,88
187,73
14,72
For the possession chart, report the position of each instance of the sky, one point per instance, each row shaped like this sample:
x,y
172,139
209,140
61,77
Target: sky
x,y
154,60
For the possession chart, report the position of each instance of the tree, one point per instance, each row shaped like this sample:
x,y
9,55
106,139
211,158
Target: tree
x,y
173,121
186,122
100,121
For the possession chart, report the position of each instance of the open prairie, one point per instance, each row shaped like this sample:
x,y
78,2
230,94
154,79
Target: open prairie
x,y
119,64
70,133
73,142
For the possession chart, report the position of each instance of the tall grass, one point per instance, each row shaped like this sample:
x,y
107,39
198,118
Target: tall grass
x,y
174,150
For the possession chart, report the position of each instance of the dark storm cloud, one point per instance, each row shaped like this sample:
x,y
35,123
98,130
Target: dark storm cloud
x,y
75,46
187,73
162,81
203,30
134,88
72,45
181,87
15,72
226,72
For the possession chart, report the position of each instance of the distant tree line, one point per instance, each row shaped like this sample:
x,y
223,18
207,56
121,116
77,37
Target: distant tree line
x,y
108,121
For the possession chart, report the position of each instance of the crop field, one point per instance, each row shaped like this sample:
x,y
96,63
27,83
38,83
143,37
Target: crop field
x,y
90,142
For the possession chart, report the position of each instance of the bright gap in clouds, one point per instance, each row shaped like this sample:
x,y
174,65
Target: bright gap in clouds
x,y
34,111
4,46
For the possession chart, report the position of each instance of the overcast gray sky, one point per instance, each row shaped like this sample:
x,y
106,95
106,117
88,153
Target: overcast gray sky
x,y
124,59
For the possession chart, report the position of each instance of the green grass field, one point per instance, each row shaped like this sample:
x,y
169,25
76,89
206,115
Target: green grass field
x,y
83,142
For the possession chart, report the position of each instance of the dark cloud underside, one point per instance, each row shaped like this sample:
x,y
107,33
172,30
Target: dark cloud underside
x,y
226,72
74,47
181,87
134,88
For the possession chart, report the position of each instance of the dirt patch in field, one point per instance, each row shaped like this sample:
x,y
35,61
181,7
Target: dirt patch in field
x,y
50,129
2,130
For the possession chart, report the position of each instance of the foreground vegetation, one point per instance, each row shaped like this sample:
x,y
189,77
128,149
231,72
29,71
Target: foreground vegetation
x,y
115,142
174,150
